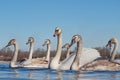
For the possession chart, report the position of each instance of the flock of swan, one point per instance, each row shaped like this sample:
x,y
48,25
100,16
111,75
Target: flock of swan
x,y
81,59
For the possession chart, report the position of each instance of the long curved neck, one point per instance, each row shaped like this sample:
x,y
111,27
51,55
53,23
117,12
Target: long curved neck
x,y
68,52
48,53
114,52
14,60
31,50
75,64
59,48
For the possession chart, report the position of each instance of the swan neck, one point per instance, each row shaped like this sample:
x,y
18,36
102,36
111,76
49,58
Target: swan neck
x,y
68,52
13,61
59,47
31,51
48,53
114,52
75,65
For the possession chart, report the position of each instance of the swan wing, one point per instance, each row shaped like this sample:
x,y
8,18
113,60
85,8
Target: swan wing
x,y
88,55
66,63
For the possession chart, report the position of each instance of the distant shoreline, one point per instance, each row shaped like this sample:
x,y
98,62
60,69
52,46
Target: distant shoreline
x,y
4,61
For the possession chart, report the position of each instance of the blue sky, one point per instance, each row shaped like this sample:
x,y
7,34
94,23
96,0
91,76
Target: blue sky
x,y
95,20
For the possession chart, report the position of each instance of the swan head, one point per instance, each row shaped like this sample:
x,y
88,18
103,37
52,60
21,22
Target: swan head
x,y
112,41
30,40
66,46
11,42
47,42
58,31
75,39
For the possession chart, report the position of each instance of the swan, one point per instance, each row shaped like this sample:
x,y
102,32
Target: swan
x,y
67,46
47,42
13,63
113,41
103,64
83,55
28,61
54,64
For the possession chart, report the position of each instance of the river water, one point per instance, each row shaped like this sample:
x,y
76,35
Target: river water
x,y
7,73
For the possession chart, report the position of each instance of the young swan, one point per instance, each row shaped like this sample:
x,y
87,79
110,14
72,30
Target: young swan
x,y
83,55
103,64
47,42
67,46
13,63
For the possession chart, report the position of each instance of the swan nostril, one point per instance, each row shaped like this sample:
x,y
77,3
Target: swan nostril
x,y
54,35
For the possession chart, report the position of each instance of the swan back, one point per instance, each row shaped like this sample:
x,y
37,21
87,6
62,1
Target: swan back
x,y
88,55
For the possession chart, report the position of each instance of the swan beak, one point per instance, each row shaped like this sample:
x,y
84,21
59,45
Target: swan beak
x,y
109,44
27,43
43,45
55,34
72,42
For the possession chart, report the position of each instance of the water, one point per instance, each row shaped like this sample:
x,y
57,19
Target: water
x,y
7,73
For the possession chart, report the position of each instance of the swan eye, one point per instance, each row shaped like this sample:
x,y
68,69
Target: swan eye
x,y
56,30
109,41
13,41
29,40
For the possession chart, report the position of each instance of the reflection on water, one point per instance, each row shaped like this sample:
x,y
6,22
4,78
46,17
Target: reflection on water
x,y
7,73
15,74
30,75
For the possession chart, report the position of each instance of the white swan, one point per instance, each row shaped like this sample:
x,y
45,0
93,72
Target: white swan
x,y
67,46
103,64
13,63
83,55
54,64
47,42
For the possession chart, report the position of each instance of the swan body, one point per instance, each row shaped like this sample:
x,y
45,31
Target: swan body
x,y
86,58
102,64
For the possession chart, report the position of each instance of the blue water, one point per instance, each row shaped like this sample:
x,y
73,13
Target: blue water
x,y
7,73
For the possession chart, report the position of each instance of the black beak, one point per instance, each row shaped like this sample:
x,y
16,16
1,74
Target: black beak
x,y
43,45
27,43
7,45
